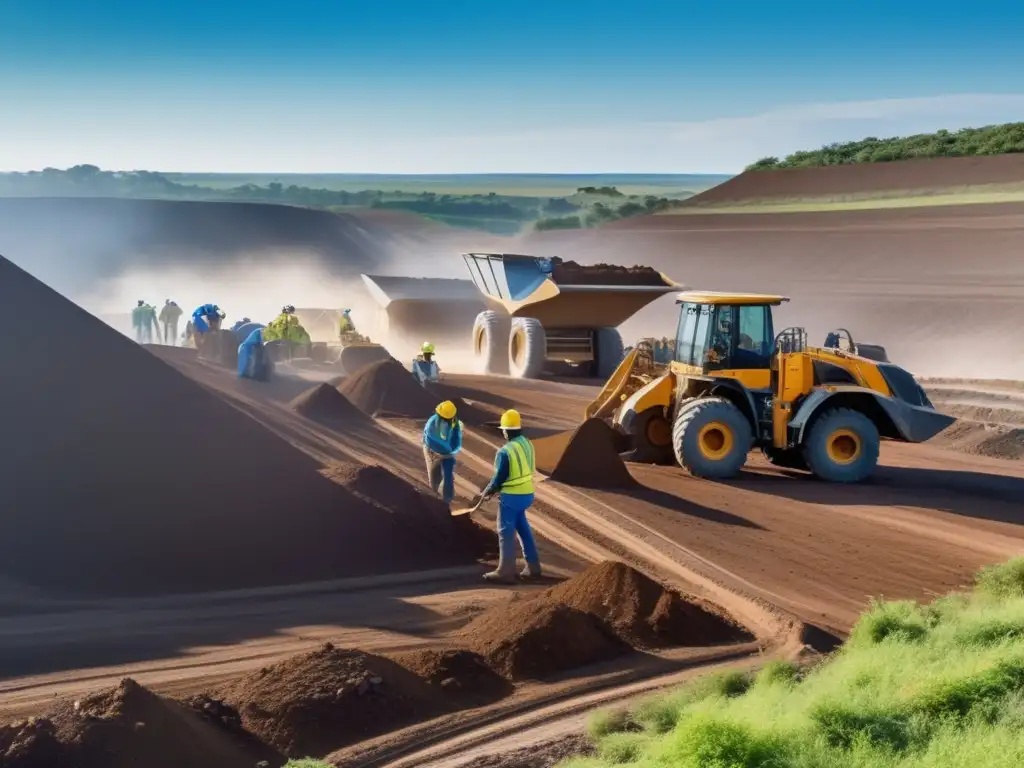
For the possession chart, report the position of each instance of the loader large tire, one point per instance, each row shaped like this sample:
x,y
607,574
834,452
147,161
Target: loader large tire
x,y
490,342
527,348
842,446
608,352
711,438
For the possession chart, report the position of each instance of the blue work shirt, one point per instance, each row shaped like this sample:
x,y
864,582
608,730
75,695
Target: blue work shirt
x,y
442,436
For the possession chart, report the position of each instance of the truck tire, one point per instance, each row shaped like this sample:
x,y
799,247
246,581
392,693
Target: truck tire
x,y
842,446
711,438
608,352
490,342
527,348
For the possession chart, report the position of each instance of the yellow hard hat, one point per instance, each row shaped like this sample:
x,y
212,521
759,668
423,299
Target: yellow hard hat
x,y
446,410
510,420
427,348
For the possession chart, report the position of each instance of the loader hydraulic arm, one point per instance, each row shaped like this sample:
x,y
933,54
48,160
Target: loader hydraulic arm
x,y
792,378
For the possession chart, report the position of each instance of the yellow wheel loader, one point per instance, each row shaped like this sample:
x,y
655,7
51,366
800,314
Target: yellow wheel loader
x,y
734,385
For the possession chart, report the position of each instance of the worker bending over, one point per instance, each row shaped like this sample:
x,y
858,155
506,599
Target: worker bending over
x,y
144,322
205,319
514,465
286,331
442,439
170,313
424,367
253,361
346,327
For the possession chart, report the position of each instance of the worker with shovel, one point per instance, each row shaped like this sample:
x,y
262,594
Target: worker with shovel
x,y
442,439
514,465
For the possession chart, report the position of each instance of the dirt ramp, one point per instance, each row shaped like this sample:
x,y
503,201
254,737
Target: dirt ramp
x,y
160,486
587,457
130,726
325,403
643,612
327,699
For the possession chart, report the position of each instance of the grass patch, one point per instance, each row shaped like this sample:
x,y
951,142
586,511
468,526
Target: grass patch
x,y
916,686
307,763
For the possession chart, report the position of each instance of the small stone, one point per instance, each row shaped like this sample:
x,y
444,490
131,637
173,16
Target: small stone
x,y
77,705
450,682
262,764
139,726
363,688
376,680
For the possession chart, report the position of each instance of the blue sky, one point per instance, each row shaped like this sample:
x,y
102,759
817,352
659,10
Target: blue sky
x,y
420,87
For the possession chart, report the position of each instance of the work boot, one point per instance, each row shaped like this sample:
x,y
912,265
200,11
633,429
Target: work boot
x,y
531,571
501,575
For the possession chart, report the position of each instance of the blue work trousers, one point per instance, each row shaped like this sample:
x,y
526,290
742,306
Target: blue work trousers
x,y
512,521
440,474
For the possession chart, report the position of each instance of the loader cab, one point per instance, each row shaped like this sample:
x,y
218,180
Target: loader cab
x,y
726,335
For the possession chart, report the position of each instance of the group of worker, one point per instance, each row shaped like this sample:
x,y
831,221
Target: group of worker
x,y
514,466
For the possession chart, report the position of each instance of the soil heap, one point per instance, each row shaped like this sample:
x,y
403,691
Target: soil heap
x,y
325,403
587,457
317,702
596,615
386,388
127,727
571,273
643,612
462,674
120,475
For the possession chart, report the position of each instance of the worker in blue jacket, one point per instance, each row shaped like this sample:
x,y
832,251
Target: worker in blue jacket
x,y
442,439
253,360
205,319
514,465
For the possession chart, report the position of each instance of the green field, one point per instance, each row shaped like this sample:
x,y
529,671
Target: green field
x,y
993,193
915,686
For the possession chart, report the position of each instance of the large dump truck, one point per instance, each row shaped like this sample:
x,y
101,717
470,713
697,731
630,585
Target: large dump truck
x,y
528,315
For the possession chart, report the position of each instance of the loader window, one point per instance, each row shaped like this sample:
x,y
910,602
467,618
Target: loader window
x,y
692,333
742,338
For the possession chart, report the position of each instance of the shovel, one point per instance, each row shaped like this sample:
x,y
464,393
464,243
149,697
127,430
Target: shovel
x,y
468,510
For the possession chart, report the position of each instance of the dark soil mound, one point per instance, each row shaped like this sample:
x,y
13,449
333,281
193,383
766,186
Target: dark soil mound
x,y
587,457
571,273
641,611
159,486
459,673
325,403
324,700
387,389
534,638
31,743
130,726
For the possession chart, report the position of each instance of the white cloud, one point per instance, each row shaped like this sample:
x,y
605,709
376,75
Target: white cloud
x,y
241,137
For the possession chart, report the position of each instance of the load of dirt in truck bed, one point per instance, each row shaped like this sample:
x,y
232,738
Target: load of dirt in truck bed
x,y
127,727
460,674
324,403
643,612
320,701
387,389
160,486
571,273
588,456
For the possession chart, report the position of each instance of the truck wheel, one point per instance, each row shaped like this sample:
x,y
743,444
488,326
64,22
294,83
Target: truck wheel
x,y
651,436
527,348
490,340
711,438
608,351
842,446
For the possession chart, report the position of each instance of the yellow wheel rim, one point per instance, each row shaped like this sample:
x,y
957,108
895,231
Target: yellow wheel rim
x,y
843,446
715,440
659,432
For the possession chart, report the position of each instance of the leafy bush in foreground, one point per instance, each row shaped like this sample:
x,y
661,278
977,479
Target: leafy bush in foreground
x,y
916,686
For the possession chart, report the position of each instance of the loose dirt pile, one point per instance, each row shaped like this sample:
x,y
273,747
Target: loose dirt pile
x,y
459,673
587,457
128,727
596,615
642,611
324,700
571,273
145,482
325,403
980,439
387,389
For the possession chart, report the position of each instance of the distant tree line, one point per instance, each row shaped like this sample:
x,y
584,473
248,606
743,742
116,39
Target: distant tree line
x,y
599,213
605,191
990,140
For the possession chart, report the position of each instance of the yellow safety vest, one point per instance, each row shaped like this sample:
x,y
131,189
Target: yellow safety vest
x,y
521,466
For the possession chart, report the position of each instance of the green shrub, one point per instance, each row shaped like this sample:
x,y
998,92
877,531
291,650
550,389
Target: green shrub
x,y
1002,581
